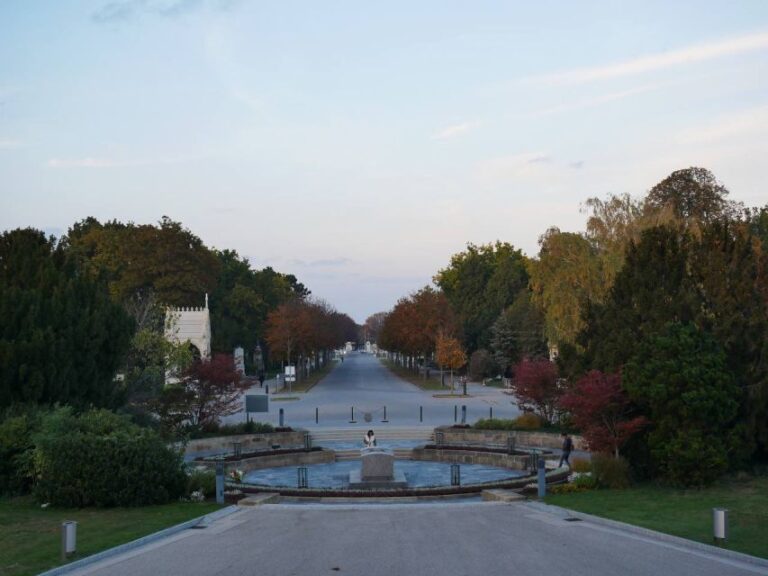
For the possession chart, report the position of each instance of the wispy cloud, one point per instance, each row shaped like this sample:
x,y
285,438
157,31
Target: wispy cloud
x,y
10,144
594,102
687,55
122,10
741,124
322,263
455,130
104,163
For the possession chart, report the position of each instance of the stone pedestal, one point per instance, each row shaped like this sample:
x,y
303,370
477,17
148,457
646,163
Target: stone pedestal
x,y
377,471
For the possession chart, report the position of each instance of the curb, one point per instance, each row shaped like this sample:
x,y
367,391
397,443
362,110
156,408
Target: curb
x,y
660,536
144,540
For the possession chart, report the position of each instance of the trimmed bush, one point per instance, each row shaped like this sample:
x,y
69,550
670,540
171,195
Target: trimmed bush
x,y
610,472
585,481
494,424
212,430
101,459
16,453
202,481
529,421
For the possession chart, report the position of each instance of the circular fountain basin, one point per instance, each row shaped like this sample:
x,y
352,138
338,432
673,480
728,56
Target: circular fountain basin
x,y
419,474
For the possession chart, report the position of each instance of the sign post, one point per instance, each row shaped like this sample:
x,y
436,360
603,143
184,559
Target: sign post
x,y
290,376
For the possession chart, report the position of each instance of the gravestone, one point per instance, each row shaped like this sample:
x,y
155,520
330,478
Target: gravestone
x,y
240,360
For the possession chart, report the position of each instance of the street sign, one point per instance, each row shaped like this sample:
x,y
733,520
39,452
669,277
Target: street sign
x,y
290,373
256,403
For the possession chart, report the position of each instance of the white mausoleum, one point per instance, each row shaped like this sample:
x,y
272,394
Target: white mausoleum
x,y
191,325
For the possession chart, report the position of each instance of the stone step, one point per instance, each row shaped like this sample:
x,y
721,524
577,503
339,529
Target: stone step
x,y
425,434
398,453
259,498
499,495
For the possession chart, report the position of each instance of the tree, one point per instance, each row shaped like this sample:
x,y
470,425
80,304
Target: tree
x,y
207,391
518,333
479,283
602,411
565,278
482,365
61,337
680,380
449,353
373,326
537,387
692,195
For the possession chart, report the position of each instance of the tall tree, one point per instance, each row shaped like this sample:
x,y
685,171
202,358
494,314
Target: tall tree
x,y
479,283
518,333
61,337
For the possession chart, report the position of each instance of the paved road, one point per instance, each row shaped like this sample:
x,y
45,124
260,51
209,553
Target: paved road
x,y
363,382
523,539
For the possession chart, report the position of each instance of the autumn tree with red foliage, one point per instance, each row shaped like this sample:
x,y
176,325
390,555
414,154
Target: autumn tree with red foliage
x,y
537,387
208,390
601,410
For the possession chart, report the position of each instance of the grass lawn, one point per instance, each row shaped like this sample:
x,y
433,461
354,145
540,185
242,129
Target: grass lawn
x,y
685,513
432,383
30,537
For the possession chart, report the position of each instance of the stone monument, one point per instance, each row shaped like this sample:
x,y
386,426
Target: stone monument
x,y
377,470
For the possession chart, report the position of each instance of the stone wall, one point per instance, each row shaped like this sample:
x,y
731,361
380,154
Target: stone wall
x,y
275,460
249,442
523,438
513,462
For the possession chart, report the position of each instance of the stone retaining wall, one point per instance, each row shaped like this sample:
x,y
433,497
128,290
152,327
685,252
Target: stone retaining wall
x,y
276,460
533,438
249,442
513,462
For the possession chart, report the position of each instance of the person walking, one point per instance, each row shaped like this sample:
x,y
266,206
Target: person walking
x,y
567,449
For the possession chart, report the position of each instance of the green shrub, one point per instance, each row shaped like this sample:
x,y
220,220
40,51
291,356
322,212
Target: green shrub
x,y
529,421
495,424
212,430
585,481
202,481
16,453
610,472
581,465
101,459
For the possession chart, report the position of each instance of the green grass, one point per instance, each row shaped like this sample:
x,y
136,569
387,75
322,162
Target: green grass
x,y
30,537
685,513
432,383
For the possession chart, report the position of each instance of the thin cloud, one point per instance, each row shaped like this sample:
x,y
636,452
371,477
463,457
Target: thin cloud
x,y
596,101
455,130
103,163
8,144
687,55
752,121
123,10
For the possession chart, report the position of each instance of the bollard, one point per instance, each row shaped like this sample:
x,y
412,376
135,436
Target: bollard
x,y
282,417
421,413
68,538
455,414
542,478
352,419
302,477
317,415
463,414
720,525
219,482
490,411
266,389
385,415
455,475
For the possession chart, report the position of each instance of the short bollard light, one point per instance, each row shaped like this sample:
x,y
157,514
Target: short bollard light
x,y
720,525
307,441
455,475
219,482
463,414
237,449
542,478
282,417
302,477
68,538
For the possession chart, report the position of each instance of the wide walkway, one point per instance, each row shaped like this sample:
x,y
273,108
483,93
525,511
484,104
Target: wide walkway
x,y
524,539
363,382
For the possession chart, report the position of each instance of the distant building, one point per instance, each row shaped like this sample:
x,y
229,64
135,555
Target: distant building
x,y
191,325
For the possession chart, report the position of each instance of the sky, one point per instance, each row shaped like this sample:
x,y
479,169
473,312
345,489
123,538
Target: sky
x,y
359,145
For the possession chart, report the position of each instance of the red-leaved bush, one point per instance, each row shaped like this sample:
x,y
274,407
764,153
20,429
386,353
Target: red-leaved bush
x,y
601,409
537,387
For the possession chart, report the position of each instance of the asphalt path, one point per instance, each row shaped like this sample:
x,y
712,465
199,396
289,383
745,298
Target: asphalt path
x,y
364,383
524,539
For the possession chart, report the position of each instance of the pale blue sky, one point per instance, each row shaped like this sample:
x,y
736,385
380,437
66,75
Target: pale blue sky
x,y
360,144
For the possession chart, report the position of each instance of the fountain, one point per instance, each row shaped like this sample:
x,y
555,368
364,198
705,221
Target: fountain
x,y
377,471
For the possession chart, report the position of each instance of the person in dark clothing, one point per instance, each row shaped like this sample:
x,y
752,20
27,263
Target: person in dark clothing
x,y
567,448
